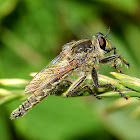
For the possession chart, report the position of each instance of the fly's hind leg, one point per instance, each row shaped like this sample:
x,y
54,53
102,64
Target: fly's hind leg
x,y
113,87
95,81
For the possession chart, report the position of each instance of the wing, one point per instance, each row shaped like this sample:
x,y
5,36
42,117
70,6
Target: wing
x,y
50,73
59,66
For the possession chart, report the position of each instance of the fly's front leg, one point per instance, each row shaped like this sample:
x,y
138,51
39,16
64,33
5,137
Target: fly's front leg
x,y
95,81
115,53
109,58
115,65
114,58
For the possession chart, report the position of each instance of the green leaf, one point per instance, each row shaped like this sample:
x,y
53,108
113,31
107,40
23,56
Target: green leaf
x,y
12,97
116,94
107,80
13,82
128,81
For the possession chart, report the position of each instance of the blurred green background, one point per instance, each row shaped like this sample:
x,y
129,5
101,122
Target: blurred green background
x,y
31,35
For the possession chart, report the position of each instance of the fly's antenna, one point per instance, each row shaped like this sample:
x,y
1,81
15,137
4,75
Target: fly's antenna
x,y
107,33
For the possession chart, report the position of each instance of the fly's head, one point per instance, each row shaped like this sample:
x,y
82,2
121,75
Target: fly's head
x,y
101,43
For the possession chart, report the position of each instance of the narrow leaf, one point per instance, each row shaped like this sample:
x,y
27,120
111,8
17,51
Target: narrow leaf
x,y
13,82
128,81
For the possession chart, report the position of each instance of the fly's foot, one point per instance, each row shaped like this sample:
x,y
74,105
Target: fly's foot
x,y
115,88
98,97
67,95
122,95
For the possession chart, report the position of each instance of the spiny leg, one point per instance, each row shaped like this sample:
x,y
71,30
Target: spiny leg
x,y
95,80
116,89
115,66
113,57
109,58
115,53
75,91
85,88
81,89
94,77
75,86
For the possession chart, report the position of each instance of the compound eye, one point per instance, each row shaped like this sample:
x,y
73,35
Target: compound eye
x,y
102,43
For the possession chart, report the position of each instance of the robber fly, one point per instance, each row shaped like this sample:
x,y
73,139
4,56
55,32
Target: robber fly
x,y
80,57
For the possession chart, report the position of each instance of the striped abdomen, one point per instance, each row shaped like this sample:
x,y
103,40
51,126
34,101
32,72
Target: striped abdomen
x,y
30,102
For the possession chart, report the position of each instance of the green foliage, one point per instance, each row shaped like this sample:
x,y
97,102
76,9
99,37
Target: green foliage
x,y
32,33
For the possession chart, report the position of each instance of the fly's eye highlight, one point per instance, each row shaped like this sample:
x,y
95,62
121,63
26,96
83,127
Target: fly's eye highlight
x,y
102,43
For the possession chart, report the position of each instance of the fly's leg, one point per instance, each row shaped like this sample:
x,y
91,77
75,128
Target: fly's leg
x,y
115,66
83,89
109,59
94,77
115,53
113,57
74,89
112,86
95,81
75,86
